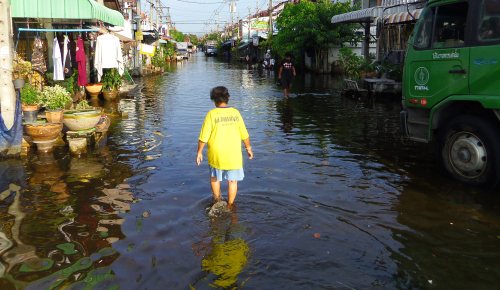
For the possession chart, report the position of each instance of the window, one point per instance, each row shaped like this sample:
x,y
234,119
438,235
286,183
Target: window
x,y
489,25
449,29
424,29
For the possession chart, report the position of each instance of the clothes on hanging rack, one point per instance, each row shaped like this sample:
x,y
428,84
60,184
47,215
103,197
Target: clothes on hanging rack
x,y
68,69
38,58
58,67
108,54
72,51
82,62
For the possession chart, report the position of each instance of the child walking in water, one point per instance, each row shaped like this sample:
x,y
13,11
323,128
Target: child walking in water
x,y
286,73
223,130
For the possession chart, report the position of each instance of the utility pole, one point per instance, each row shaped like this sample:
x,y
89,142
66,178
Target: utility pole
x,y
169,21
249,23
232,10
158,14
270,9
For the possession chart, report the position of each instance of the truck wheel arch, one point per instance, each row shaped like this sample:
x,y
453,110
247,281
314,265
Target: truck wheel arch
x,y
443,114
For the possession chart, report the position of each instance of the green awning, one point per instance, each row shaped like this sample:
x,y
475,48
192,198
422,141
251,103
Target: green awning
x,y
66,9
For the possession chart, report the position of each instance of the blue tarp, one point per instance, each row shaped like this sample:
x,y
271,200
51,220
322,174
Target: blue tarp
x,y
11,140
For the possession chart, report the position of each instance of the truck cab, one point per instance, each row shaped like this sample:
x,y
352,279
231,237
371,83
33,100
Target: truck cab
x,y
451,87
211,48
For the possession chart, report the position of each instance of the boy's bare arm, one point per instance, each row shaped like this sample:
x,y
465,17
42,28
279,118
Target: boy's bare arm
x,y
199,153
248,147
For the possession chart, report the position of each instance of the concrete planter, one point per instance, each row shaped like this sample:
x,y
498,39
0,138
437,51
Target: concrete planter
x,y
18,83
40,132
78,120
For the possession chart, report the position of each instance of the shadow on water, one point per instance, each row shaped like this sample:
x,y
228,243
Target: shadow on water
x,y
334,199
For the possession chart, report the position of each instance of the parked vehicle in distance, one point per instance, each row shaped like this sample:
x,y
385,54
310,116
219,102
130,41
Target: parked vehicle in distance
x,y
451,88
211,48
182,50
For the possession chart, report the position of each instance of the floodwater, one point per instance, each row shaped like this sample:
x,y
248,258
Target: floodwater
x,y
334,198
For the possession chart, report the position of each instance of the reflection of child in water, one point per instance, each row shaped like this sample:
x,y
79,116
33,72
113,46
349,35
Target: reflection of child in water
x,y
223,130
225,254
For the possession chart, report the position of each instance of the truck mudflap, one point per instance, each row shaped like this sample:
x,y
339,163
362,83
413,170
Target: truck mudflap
x,y
403,122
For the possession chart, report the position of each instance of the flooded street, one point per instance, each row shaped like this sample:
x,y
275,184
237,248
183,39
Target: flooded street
x,y
333,199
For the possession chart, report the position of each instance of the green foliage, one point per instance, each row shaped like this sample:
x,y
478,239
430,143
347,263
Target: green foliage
x,y
30,95
307,26
21,68
177,35
70,84
368,65
158,60
54,98
168,49
215,36
350,63
111,80
83,105
193,39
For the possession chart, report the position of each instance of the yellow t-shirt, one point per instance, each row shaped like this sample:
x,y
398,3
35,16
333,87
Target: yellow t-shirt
x,y
223,130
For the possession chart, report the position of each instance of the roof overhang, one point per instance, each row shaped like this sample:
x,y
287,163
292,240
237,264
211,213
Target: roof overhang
x,y
402,17
363,15
66,9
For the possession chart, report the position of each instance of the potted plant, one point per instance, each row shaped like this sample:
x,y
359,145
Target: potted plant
x,y
21,70
94,89
83,117
30,100
55,99
350,63
111,82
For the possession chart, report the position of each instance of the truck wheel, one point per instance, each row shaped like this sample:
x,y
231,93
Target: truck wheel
x,y
469,148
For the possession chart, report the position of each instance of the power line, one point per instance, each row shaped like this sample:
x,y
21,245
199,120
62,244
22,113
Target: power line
x,y
195,2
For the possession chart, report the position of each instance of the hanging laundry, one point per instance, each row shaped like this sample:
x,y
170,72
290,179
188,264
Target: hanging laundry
x,y
108,54
58,67
38,59
72,51
11,138
68,70
82,62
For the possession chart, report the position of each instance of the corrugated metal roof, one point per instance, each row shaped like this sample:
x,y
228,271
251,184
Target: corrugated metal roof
x,y
66,9
363,15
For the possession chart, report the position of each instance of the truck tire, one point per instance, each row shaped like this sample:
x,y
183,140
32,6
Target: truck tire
x,y
470,150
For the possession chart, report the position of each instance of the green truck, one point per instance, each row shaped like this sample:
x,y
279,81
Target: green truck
x,y
451,87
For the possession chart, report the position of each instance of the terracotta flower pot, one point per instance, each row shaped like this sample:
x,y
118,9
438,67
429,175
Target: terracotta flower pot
x,y
54,116
78,120
110,95
26,108
94,90
30,113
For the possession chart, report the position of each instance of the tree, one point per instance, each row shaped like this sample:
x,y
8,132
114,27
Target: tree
x,y
307,27
177,35
193,39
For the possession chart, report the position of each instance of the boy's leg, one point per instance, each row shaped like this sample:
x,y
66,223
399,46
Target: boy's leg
x,y
215,184
231,191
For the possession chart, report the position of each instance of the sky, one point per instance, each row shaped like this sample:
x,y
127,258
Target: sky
x,y
201,16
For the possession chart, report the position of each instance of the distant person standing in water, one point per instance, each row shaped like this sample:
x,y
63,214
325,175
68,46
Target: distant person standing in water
x,y
223,130
286,73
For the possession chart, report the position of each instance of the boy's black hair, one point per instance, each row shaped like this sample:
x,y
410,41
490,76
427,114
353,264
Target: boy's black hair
x,y
219,95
